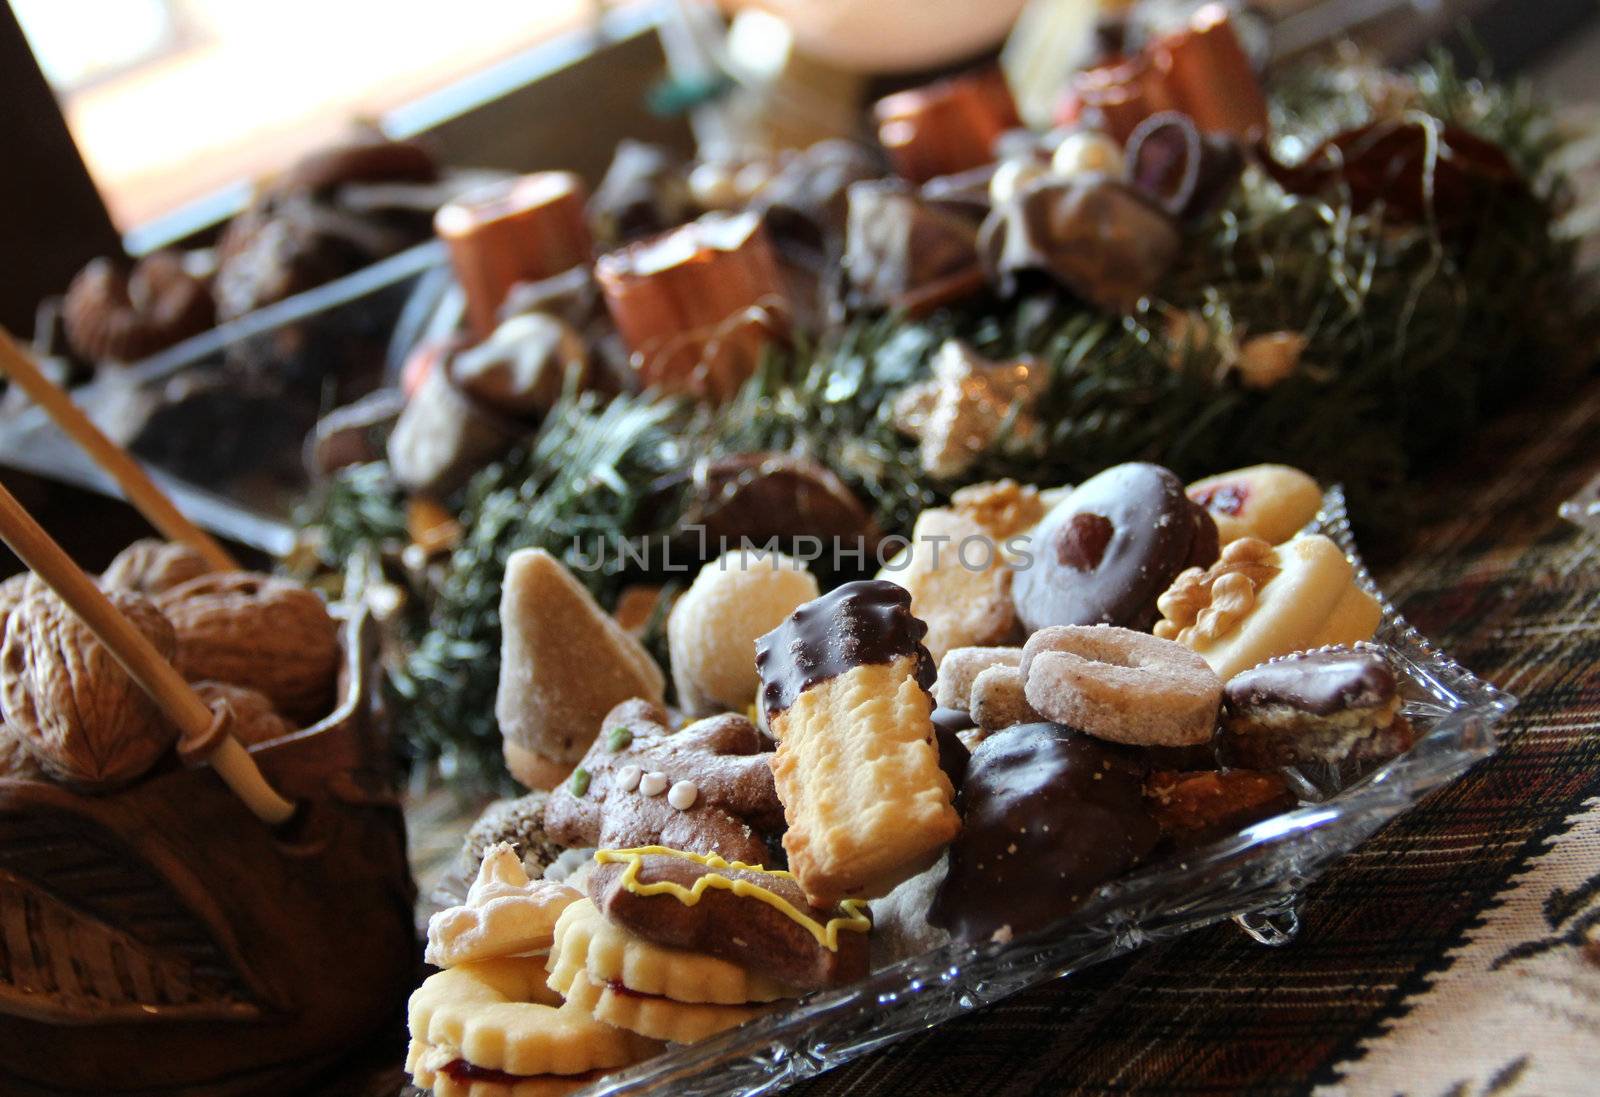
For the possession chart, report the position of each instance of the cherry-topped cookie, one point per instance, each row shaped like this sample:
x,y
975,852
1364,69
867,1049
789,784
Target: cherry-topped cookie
x,y
1106,552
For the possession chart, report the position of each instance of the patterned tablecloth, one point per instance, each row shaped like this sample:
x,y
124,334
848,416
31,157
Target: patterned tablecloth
x,y
1456,953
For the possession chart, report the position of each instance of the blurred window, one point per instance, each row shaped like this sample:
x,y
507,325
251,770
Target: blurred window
x,y
170,100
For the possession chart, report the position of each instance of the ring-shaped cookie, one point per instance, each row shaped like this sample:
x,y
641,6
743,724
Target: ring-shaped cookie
x,y
1120,685
499,1015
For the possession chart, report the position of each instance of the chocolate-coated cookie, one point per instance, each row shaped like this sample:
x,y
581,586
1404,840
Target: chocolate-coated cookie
x,y
1105,553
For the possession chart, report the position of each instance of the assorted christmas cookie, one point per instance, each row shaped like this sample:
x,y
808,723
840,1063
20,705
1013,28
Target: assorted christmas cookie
x,y
845,685
1108,551
706,789
1270,502
1316,706
564,664
1258,601
506,914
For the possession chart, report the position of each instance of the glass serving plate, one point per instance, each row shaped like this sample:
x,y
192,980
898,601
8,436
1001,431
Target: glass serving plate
x,y
1254,877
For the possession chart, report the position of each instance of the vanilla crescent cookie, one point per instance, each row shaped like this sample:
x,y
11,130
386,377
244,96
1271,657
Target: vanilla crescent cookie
x,y
506,914
495,1022
1121,686
845,686
586,942
1258,601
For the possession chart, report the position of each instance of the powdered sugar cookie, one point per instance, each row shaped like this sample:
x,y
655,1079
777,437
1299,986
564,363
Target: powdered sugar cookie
x,y
506,914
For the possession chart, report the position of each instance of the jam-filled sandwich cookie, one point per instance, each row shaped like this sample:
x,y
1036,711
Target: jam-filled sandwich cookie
x,y
1121,686
1105,553
745,914
1316,706
845,684
1272,502
1258,601
663,993
493,1028
707,788
506,914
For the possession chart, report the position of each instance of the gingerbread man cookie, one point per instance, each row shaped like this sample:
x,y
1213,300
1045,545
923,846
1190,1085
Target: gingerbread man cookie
x,y
705,789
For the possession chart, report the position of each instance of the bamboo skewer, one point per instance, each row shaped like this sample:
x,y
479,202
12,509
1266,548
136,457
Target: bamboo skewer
x,y
194,720
130,476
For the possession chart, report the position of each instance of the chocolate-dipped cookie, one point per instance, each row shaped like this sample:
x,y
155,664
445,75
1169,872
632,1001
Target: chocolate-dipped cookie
x,y
756,918
1105,553
1314,706
1048,815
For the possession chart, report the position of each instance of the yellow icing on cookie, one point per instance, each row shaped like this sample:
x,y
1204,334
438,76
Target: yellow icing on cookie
x,y
855,919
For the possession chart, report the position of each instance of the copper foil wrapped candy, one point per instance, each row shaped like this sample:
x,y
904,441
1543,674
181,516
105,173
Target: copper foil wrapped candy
x,y
1188,172
522,230
946,127
696,305
905,253
1098,237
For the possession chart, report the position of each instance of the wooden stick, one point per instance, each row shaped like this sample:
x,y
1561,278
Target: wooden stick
x,y
130,647
136,484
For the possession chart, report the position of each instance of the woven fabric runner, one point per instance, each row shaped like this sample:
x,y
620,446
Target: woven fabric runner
x,y
1450,954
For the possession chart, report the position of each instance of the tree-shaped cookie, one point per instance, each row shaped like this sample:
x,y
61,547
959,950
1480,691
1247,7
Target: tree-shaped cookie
x,y
705,789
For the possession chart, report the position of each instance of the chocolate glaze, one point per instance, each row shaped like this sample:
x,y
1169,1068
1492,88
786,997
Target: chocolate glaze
x,y
1321,683
1048,814
953,753
1105,553
853,625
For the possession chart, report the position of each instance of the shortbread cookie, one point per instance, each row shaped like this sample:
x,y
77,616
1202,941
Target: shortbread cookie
x,y
564,664
1106,553
959,577
1121,686
705,789
744,914
845,685
1272,502
1049,815
499,1016
961,667
1321,706
655,1017
588,943
713,628
1000,700
1258,601
506,914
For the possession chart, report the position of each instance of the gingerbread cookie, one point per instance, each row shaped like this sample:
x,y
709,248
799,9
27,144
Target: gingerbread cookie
x,y
506,914
1258,601
1048,815
705,789
1106,553
1321,706
845,684
1272,502
1121,686
744,914
1195,808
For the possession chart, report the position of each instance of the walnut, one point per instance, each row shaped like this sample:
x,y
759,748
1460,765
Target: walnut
x,y
12,593
84,719
151,566
1207,604
266,634
1002,507
254,718
17,762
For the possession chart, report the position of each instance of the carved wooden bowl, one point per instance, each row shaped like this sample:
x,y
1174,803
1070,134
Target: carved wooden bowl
x,y
161,939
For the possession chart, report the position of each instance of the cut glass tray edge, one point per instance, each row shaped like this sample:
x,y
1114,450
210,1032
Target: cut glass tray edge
x,y
1264,865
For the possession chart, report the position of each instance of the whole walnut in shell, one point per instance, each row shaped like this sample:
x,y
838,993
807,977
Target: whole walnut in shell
x,y
266,634
254,718
151,566
12,593
84,719
16,760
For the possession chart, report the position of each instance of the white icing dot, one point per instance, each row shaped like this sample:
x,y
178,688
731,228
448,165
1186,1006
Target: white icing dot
x,y
683,795
628,778
653,783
